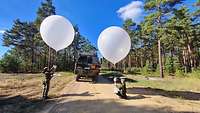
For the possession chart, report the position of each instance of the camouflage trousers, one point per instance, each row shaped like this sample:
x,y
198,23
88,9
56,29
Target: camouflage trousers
x,y
46,84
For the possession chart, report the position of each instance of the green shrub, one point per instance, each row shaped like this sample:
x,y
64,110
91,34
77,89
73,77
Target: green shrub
x,y
195,73
10,63
145,71
169,66
180,73
133,70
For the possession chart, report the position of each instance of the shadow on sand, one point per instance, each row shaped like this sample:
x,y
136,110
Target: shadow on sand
x,y
187,95
77,94
21,104
136,97
107,106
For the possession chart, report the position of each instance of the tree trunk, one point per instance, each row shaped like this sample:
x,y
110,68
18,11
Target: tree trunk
x,y
195,58
45,59
160,59
129,60
141,57
185,60
190,56
164,58
172,61
32,59
124,65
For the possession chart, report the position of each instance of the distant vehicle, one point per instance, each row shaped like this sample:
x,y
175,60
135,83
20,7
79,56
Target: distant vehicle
x,y
87,66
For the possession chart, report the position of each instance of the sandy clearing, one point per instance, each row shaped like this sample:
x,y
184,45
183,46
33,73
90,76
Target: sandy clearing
x,y
85,97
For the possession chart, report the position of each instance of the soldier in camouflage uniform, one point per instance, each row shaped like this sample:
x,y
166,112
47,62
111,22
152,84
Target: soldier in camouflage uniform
x,y
48,76
120,87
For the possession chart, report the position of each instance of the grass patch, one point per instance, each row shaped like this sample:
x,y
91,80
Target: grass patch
x,y
168,83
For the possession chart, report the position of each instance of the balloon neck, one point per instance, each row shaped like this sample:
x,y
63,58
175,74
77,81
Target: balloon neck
x,y
114,65
56,51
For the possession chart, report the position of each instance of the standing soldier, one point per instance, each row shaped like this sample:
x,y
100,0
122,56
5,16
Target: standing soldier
x,y
48,75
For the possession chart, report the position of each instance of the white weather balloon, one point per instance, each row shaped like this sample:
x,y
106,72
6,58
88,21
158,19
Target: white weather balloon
x,y
114,44
57,32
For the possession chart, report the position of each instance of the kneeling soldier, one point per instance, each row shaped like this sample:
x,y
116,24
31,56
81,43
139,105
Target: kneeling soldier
x,y
120,87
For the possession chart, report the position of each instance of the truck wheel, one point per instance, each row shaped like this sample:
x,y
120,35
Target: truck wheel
x,y
77,78
94,79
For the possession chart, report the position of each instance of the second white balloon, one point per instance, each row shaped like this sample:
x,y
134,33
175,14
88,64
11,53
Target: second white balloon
x,y
114,44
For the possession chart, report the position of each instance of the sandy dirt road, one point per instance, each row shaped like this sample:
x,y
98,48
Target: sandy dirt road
x,y
85,97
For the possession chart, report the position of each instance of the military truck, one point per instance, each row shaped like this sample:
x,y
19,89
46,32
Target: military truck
x,y
87,66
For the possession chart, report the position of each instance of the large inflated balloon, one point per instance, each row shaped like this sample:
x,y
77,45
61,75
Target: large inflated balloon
x,y
114,44
57,32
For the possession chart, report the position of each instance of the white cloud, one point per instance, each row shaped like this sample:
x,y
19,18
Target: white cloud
x,y
2,31
132,11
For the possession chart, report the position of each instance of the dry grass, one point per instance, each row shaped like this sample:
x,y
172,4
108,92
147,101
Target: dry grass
x,y
22,92
168,83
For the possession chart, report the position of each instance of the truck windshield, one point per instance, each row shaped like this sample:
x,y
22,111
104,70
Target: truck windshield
x,y
87,60
82,60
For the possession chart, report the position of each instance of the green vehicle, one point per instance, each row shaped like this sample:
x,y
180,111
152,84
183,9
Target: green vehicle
x,y
87,66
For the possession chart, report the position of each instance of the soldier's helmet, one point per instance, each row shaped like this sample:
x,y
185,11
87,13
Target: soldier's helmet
x,y
116,80
122,79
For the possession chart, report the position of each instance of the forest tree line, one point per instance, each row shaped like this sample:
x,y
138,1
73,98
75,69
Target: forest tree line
x,y
166,41
29,53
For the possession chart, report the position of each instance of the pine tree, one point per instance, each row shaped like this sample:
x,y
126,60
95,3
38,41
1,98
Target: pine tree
x,y
157,17
46,9
22,36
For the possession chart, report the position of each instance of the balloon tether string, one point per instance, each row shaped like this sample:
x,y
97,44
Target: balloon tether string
x,y
55,63
49,58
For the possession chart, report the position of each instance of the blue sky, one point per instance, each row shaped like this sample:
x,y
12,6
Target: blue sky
x,y
92,16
